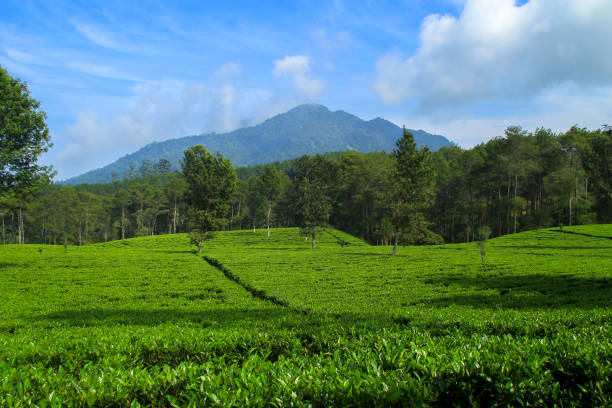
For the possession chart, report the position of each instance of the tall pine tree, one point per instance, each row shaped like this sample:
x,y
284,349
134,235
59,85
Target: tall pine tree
x,y
412,190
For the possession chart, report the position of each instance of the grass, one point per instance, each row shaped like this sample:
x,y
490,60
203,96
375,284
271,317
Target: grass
x,y
148,321
528,277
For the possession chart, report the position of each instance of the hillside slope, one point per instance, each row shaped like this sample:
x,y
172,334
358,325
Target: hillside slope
x,y
530,271
306,129
150,322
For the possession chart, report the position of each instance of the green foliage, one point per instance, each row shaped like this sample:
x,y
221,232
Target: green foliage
x,y
313,191
483,235
271,189
411,191
23,137
420,236
520,182
256,200
596,158
210,184
144,322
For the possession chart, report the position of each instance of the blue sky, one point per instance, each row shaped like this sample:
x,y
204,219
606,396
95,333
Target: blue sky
x,y
114,76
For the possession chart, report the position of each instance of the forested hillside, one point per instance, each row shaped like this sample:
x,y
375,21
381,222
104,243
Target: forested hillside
x,y
513,183
305,129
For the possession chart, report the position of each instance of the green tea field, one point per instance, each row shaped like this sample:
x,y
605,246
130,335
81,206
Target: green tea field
x,y
258,321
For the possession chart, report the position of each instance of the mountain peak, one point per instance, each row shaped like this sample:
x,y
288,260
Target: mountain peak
x,y
308,108
309,128
378,119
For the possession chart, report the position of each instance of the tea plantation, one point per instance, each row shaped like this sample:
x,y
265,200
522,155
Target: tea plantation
x,y
258,321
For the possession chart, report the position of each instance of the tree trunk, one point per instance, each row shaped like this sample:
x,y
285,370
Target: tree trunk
x,y
122,222
508,209
200,246
395,240
20,226
141,217
268,216
314,238
169,220
576,200
86,226
18,238
570,209
515,182
471,214
174,217
499,215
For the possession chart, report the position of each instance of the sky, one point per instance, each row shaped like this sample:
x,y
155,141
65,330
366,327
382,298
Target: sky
x,y
114,76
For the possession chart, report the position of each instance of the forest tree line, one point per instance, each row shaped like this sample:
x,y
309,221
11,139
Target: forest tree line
x,y
521,181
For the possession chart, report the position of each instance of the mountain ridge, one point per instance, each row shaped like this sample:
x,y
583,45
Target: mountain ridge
x,y
305,129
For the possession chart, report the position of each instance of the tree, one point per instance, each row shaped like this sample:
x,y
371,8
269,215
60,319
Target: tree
x,y
175,190
238,203
483,235
6,206
313,189
122,198
597,162
360,180
255,200
210,183
162,167
145,168
23,136
271,189
412,187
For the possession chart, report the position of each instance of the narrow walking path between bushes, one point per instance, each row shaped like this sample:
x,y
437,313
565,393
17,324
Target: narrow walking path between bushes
x,y
583,234
259,294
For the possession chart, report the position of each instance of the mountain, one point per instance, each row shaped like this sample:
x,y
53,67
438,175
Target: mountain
x,y
305,129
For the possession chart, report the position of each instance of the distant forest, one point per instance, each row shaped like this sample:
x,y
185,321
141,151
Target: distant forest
x,y
513,183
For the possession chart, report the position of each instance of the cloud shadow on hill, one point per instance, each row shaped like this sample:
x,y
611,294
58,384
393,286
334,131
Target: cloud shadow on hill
x,y
528,292
155,317
555,247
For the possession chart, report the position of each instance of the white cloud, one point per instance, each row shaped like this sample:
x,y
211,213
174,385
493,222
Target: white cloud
x,y
228,70
295,65
102,71
298,67
558,109
20,56
159,111
98,35
118,37
496,49
163,110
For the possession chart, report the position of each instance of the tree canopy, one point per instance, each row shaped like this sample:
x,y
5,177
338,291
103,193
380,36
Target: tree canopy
x,y
210,183
411,192
523,180
24,136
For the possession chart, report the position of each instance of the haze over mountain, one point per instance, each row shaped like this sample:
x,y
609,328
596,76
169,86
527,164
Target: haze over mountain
x,y
305,129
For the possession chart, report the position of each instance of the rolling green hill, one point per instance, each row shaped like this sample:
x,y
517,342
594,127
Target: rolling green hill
x,y
306,129
259,321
